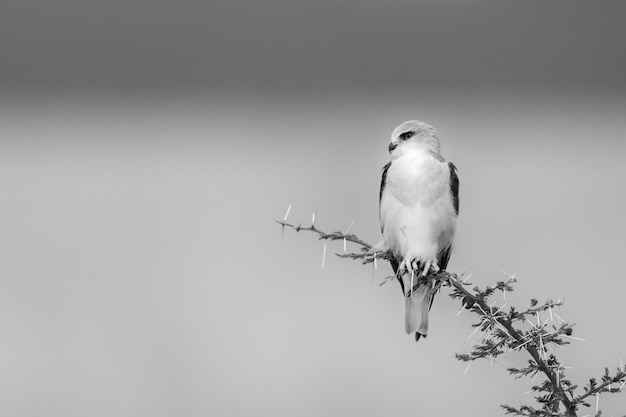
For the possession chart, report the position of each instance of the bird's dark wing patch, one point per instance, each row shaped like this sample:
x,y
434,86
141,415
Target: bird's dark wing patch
x,y
383,182
395,263
454,187
444,258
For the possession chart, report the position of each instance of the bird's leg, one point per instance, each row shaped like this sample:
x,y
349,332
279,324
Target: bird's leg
x,y
402,266
430,266
408,266
434,266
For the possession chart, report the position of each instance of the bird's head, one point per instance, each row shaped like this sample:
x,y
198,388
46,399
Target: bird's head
x,y
413,134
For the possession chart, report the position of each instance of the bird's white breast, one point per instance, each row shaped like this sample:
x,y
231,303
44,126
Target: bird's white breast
x,y
417,211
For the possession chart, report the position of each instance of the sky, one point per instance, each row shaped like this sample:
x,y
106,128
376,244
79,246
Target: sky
x,y
149,147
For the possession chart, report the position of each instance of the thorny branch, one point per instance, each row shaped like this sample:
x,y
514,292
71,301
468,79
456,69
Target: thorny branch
x,y
327,236
504,330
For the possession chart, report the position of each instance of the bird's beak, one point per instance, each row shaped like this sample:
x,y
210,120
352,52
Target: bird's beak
x,y
392,146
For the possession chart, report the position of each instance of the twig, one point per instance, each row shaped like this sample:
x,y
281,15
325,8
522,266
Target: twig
x,y
499,325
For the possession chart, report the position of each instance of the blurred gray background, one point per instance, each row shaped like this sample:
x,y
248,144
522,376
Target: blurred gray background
x,y
148,147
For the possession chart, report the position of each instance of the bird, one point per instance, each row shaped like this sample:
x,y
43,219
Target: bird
x,y
418,209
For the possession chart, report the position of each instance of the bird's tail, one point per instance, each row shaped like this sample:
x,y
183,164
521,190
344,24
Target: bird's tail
x,y
416,312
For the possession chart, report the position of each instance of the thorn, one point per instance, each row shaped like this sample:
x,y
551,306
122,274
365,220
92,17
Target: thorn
x,y
287,214
560,319
511,276
501,327
473,333
349,227
412,276
504,294
597,402
538,319
575,338
345,249
467,368
481,309
282,226
531,323
480,338
508,365
550,310
501,307
313,219
466,278
542,348
523,344
461,310
324,256
375,264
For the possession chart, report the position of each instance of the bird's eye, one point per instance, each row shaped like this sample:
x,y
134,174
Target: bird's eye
x,y
406,135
